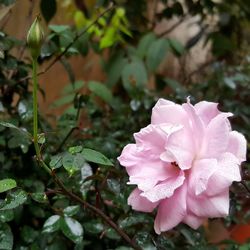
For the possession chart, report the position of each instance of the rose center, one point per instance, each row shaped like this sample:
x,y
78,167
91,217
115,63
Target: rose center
x,y
175,164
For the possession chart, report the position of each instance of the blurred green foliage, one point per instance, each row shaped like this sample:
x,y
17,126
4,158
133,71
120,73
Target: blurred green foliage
x,y
100,118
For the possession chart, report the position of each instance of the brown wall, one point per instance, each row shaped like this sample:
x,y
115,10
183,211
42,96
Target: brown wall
x,y
88,68
56,78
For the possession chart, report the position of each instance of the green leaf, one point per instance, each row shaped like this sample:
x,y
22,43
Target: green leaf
x,y
134,74
156,53
73,87
25,110
19,140
71,210
93,227
7,184
68,68
58,28
28,234
39,197
113,68
56,161
48,9
10,125
52,224
86,171
229,82
176,87
112,234
41,138
134,220
6,237
6,215
114,185
124,248
68,99
109,38
75,149
96,157
144,44
13,200
176,46
101,90
73,163
222,44
72,229
244,247
82,44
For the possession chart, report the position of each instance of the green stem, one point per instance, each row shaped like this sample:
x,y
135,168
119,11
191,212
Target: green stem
x,y
35,112
65,191
35,116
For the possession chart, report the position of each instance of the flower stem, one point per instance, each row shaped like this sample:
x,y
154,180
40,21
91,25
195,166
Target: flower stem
x,y
35,116
65,191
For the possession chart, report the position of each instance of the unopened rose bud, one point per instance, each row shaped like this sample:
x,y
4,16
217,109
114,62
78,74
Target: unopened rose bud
x,y
35,38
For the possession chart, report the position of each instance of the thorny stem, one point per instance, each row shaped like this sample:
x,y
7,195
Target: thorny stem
x,y
97,211
65,191
35,116
35,112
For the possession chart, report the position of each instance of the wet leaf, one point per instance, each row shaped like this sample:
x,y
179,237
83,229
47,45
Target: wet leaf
x,y
72,229
93,227
96,157
14,200
52,224
6,237
39,197
6,215
71,210
56,161
7,184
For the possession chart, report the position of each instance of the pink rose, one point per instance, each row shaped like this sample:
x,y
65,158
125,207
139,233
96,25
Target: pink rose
x,y
183,164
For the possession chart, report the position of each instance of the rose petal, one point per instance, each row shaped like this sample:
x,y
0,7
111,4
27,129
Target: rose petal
x,y
165,189
130,156
216,137
195,123
200,174
193,221
147,175
207,110
228,171
163,102
180,148
237,145
168,113
151,137
140,203
171,211
209,207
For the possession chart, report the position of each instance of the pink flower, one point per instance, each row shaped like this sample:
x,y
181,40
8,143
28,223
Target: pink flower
x,y
183,164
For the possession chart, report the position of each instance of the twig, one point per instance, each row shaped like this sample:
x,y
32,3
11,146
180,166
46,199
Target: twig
x,y
56,59
173,26
200,68
66,138
97,211
245,186
74,197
